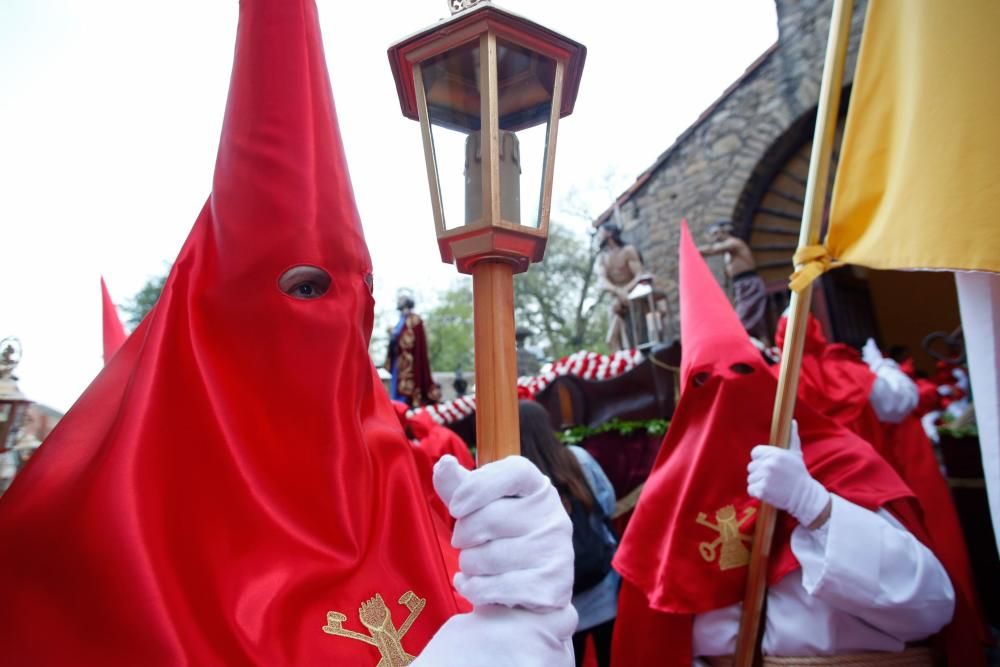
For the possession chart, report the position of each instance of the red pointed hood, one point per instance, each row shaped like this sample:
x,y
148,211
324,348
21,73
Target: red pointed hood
x,y
236,471
673,551
834,380
709,325
114,332
815,340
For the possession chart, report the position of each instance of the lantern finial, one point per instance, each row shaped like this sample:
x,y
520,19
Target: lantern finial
x,y
10,356
457,6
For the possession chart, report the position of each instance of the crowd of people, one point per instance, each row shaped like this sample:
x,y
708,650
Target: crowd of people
x,y
178,516
860,464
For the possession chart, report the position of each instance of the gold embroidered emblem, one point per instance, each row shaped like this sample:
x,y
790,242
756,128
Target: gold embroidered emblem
x,y
382,634
733,553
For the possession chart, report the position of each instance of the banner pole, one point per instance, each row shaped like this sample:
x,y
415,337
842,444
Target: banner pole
x,y
748,639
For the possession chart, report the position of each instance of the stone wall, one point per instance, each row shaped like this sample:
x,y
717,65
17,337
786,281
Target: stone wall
x,y
717,165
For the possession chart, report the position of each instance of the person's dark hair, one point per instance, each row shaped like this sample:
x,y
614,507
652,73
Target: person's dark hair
x,y
614,230
616,233
407,302
540,446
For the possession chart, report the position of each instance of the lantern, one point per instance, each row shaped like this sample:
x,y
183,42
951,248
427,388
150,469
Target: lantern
x,y
649,313
488,88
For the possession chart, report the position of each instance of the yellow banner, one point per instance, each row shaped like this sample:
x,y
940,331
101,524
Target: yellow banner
x,y
918,183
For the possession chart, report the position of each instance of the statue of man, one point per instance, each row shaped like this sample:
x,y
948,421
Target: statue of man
x,y
619,269
407,359
750,293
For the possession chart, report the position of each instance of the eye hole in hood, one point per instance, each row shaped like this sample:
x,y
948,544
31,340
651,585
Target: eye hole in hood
x,y
698,379
304,282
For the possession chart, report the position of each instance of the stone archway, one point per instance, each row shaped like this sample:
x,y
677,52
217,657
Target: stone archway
x,y
768,216
852,303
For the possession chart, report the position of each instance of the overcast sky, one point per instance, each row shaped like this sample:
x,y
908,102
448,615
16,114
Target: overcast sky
x,y
110,112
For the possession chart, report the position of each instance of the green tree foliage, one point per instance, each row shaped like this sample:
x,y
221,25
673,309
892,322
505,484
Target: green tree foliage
x,y
448,324
558,298
144,299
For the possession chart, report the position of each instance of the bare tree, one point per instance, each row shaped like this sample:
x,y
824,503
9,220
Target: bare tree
x,y
559,297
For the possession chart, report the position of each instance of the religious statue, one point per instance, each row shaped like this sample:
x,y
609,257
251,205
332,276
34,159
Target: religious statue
x,y
407,359
620,271
749,291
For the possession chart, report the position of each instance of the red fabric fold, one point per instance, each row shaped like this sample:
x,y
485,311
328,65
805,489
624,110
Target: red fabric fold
x,y
908,450
437,440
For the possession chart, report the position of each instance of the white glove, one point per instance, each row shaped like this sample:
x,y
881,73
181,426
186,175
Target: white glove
x,y
871,354
779,477
515,537
516,561
894,395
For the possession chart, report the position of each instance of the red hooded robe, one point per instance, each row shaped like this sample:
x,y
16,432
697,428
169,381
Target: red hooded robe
x,y
696,492
836,381
236,471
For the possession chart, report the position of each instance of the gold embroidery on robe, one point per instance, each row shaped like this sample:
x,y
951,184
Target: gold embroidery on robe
x,y
382,634
733,553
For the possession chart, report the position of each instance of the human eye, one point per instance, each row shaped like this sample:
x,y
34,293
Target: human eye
x,y
304,282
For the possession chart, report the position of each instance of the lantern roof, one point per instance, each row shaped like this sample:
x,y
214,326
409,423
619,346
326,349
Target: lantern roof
x,y
467,26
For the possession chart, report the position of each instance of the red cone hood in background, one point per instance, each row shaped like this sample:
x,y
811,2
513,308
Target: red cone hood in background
x,y
236,471
437,440
723,412
834,380
114,332
433,440
711,331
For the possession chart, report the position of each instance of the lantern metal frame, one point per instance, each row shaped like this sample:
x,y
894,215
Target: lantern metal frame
x,y
488,247
490,237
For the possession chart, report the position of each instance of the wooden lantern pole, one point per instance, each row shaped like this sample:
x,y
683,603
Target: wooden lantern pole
x,y
748,640
497,425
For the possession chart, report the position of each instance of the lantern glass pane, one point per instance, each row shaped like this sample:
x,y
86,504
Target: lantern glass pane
x,y
5,411
451,87
451,83
452,150
525,81
526,180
